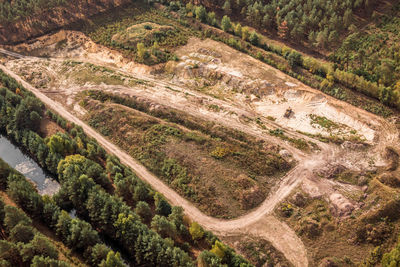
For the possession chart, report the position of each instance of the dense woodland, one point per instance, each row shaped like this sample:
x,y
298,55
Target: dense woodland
x,y
318,23
141,223
12,10
364,62
372,76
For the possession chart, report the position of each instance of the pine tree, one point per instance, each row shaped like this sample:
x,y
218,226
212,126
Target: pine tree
x,y
226,23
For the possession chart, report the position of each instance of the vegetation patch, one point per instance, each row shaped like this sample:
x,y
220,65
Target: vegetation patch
x,y
367,238
323,122
144,32
207,166
296,142
260,252
112,203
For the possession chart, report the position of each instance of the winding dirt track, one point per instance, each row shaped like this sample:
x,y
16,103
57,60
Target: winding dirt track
x,y
296,253
258,222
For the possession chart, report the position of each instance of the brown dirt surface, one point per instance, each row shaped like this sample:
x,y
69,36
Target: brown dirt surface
x,y
222,187
259,221
48,127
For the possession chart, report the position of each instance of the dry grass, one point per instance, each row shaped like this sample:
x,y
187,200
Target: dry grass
x,y
347,241
48,128
134,34
225,177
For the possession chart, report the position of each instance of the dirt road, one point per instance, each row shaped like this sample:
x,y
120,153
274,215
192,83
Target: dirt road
x,y
258,222
295,254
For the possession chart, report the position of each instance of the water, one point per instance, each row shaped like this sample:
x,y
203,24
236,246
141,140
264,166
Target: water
x,y
11,154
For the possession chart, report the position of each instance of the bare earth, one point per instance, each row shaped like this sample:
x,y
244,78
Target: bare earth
x,y
260,221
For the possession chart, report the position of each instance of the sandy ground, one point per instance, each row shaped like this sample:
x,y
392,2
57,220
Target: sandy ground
x,y
288,92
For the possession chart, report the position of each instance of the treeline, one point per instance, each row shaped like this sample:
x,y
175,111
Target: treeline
x,y
316,22
330,78
16,9
21,244
141,222
373,53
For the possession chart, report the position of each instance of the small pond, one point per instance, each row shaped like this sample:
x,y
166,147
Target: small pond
x,y
17,159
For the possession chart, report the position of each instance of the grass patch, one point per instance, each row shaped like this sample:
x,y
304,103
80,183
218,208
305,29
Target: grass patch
x,y
206,163
323,122
296,142
125,27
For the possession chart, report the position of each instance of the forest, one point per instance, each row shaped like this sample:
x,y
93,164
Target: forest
x,y
340,72
358,62
17,9
111,202
318,23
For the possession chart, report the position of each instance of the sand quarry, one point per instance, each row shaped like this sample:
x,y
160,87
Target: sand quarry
x,y
249,95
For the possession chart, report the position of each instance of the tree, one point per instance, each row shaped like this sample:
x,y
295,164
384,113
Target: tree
x,y
50,212
208,259
254,38
238,30
2,213
163,226
144,211
219,249
10,253
113,260
82,235
226,23
283,30
212,19
28,106
162,206
141,192
22,233
14,216
35,119
385,95
201,13
196,231
40,261
245,33
347,17
141,51
322,38
386,70
295,59
40,245
176,216
155,48
227,7
99,253
60,144
63,226
267,21
24,194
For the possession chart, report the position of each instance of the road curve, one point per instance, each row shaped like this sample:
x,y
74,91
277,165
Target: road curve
x,y
258,222
219,226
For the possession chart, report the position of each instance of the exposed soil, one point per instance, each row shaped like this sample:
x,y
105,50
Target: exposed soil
x,y
48,127
238,110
